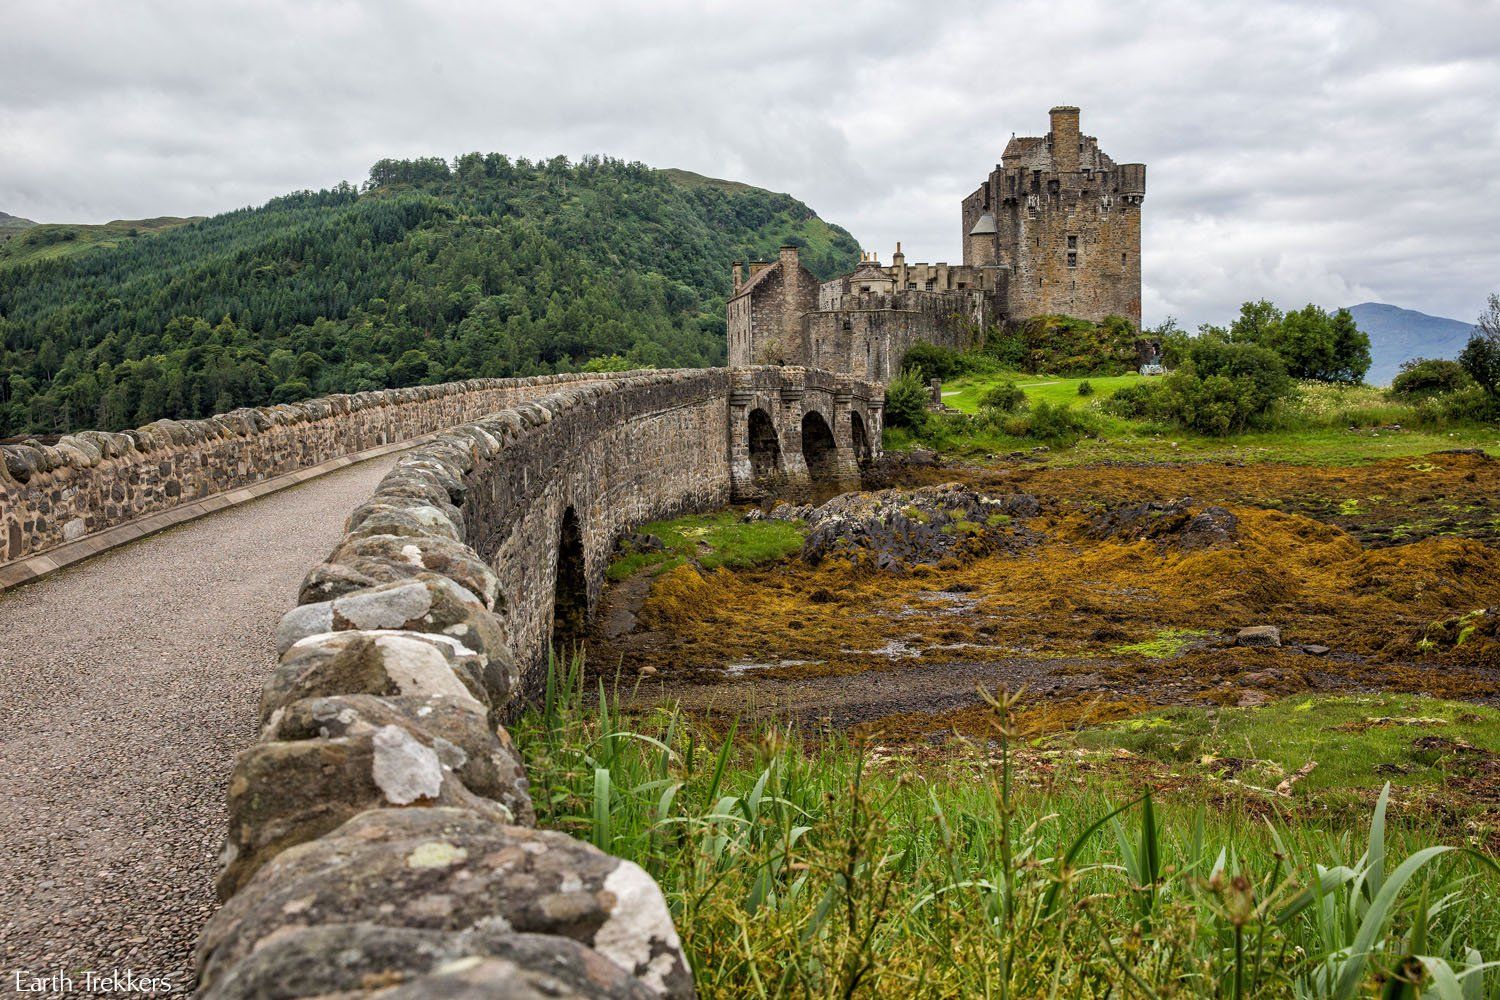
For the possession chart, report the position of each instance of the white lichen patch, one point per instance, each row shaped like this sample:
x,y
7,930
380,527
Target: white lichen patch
x,y
388,608
638,925
419,667
436,854
411,554
404,769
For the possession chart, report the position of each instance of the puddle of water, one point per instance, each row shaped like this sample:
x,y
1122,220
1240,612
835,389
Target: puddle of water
x,y
948,603
895,649
746,667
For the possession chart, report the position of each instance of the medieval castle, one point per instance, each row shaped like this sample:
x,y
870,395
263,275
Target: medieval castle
x,y
1055,228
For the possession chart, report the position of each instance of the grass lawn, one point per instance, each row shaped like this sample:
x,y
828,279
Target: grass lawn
x,y
710,540
1321,425
963,393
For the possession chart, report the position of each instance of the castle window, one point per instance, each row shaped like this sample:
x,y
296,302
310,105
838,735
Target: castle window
x,y
1122,258
931,284
962,284
1072,260
1072,243
911,286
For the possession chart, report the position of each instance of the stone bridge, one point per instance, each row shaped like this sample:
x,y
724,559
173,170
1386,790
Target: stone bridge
x,y
486,541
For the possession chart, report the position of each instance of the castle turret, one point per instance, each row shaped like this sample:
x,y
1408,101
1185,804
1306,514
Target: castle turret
x,y
1065,139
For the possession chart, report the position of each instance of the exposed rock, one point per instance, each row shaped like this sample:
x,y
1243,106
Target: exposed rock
x,y
286,793
452,870
1250,698
358,959
455,728
1178,524
1260,636
1313,649
898,529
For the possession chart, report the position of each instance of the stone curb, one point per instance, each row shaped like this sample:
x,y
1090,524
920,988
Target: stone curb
x,y
35,567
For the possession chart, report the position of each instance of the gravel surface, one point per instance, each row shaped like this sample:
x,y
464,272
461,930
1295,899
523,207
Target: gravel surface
x,y
127,685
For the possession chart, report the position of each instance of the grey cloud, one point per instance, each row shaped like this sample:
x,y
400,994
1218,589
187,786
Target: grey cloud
x,y
1330,151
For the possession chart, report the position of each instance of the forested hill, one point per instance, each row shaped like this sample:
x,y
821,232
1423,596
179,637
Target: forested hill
x,y
429,272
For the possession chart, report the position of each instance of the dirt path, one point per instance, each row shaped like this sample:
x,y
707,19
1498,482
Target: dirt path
x,y
127,685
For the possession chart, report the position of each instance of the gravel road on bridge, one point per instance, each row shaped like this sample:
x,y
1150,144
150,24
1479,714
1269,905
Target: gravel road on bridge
x,y
127,685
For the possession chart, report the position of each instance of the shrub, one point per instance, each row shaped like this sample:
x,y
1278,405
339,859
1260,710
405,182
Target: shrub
x,y
1222,388
1471,404
1006,346
1006,397
906,400
1054,423
1422,378
945,362
1085,388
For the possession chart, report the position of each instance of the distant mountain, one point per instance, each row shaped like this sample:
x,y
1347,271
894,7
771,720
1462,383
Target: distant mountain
x,y
1397,335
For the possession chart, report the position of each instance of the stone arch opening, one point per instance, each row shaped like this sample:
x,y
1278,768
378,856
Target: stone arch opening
x,y
860,438
819,450
765,448
570,598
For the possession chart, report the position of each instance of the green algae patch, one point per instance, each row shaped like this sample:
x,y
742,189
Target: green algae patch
x,y
1168,643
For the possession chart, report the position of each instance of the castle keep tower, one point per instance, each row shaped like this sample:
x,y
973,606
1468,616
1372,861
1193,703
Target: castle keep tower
x,y
1065,221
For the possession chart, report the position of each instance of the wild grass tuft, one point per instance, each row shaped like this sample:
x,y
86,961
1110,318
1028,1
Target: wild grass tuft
x,y
821,868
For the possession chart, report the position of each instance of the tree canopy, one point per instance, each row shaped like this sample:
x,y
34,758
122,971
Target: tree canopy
x,y
1314,344
431,271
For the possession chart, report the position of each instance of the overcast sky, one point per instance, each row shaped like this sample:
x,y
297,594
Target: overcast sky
x,y
1333,152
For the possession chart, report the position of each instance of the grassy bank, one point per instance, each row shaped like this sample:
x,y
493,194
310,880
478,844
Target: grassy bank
x,y
826,869
707,540
1320,425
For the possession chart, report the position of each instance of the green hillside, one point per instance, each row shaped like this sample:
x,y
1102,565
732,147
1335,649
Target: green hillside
x,y
431,271
54,241
11,226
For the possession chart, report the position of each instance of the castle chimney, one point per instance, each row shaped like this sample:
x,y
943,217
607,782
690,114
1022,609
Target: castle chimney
x,y
738,277
898,258
789,258
1065,139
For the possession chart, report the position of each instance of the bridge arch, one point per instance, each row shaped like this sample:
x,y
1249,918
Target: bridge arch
x,y
819,449
766,464
570,588
859,439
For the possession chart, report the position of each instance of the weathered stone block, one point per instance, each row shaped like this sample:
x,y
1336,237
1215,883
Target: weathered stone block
x,y
286,793
451,870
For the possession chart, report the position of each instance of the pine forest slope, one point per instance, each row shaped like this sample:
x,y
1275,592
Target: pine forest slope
x,y
429,272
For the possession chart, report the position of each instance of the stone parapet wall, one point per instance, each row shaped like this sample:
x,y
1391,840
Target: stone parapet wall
x,y
380,832
85,482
